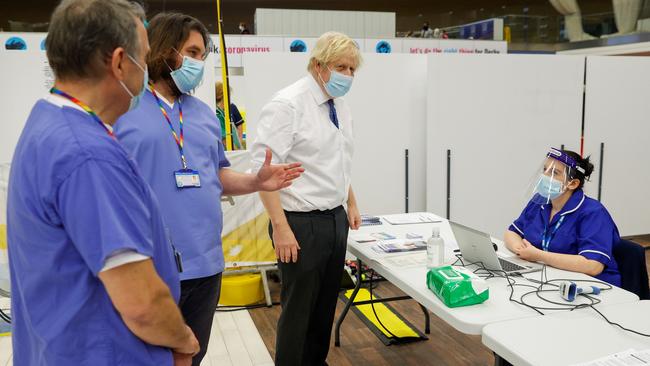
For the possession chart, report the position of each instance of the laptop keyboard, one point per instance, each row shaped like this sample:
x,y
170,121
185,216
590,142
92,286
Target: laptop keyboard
x,y
509,266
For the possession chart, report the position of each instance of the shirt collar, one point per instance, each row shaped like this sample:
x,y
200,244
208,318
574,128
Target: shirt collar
x,y
61,102
573,204
163,99
319,95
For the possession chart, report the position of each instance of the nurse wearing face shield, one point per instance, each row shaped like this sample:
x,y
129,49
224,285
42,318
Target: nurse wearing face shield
x,y
562,227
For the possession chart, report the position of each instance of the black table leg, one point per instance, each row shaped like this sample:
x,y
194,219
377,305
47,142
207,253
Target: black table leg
x,y
427,328
339,321
500,361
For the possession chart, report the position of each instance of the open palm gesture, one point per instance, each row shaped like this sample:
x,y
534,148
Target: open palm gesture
x,y
274,177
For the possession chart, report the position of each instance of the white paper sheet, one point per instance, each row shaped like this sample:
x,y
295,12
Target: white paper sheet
x,y
626,358
411,218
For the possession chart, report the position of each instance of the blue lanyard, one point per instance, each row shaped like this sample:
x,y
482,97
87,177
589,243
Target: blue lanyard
x,y
546,238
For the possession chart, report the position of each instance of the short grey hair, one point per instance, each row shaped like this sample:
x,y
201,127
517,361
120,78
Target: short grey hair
x,y
84,33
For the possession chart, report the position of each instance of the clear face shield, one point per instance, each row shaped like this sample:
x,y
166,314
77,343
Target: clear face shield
x,y
552,177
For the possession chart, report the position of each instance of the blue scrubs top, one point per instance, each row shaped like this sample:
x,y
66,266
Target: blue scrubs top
x,y
75,198
587,229
193,214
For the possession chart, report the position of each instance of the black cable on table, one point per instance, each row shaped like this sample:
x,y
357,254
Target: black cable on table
x,y
4,316
619,325
540,289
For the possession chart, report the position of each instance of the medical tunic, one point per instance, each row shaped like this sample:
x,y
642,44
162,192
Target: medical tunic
x,y
74,199
582,227
193,214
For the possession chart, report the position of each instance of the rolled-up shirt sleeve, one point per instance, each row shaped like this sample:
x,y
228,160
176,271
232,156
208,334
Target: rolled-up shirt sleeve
x,y
275,131
222,160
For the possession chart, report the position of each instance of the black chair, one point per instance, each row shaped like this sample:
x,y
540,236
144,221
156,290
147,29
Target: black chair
x,y
630,258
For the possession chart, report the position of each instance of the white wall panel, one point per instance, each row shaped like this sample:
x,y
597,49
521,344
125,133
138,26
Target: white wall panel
x,y
31,71
313,23
617,114
389,112
498,114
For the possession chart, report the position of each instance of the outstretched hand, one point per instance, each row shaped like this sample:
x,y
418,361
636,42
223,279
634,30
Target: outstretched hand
x,y
275,177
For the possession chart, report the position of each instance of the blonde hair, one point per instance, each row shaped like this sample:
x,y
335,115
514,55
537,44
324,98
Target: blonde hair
x,y
332,46
218,91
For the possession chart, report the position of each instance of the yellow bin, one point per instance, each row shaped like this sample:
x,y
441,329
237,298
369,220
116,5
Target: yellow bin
x,y
241,290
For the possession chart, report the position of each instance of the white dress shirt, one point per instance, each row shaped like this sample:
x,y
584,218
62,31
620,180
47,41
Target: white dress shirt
x,y
296,126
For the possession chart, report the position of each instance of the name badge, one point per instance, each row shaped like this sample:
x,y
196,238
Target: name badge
x,y
187,178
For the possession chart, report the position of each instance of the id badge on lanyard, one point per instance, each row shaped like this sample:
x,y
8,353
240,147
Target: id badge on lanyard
x,y
547,237
185,177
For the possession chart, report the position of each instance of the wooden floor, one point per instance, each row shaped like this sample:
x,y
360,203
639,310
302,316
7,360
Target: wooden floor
x,y
641,239
359,346
234,341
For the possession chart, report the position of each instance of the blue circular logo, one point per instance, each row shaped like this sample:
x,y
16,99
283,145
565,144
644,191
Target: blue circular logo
x,y
43,45
383,47
15,43
298,46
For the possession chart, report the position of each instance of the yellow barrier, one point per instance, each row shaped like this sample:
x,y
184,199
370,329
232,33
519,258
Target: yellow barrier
x,y
391,321
3,237
241,290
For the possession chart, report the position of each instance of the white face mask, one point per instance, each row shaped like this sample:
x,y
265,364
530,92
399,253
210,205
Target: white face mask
x,y
189,75
549,188
135,99
338,85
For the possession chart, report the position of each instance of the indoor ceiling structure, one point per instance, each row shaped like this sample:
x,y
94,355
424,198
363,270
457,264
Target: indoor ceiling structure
x,y
410,14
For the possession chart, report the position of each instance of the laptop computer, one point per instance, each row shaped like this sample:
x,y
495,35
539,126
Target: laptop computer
x,y
476,246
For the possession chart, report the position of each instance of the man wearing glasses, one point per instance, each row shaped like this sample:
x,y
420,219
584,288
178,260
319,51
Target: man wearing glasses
x,y
176,141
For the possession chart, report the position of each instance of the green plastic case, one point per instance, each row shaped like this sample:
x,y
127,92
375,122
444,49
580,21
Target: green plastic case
x,y
457,286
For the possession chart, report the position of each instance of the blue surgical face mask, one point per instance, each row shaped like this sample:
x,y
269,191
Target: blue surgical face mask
x,y
189,75
338,85
135,99
548,187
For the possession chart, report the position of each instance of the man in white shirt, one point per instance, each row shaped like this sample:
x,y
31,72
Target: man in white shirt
x,y
309,122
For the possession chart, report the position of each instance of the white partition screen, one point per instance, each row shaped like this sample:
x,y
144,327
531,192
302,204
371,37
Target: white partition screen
x,y
30,72
618,115
388,103
498,115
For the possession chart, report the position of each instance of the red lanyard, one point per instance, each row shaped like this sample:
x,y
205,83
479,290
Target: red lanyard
x,y
83,106
177,139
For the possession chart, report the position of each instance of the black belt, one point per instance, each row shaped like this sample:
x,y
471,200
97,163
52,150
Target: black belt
x,y
330,212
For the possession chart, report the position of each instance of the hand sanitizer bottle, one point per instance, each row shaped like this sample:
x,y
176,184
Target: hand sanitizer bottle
x,y
435,249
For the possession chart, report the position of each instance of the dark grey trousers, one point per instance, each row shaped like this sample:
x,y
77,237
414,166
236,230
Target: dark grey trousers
x,y
198,302
310,287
